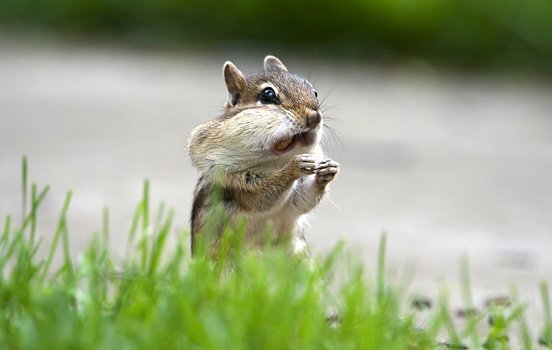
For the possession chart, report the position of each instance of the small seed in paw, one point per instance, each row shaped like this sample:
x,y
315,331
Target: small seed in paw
x,y
283,144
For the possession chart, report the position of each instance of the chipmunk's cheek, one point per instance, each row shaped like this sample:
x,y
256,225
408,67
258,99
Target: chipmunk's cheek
x,y
283,144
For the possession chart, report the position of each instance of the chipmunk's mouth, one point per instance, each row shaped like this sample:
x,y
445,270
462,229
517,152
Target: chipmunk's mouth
x,y
288,143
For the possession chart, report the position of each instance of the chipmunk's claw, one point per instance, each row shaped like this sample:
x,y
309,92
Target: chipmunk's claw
x,y
307,164
303,164
326,171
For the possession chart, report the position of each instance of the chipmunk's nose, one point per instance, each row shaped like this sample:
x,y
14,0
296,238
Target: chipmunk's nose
x,y
313,119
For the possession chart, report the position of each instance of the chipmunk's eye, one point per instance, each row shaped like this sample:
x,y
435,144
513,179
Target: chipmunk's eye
x,y
268,95
315,93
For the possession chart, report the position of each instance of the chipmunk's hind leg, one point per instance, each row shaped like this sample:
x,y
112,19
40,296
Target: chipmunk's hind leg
x,y
213,210
201,194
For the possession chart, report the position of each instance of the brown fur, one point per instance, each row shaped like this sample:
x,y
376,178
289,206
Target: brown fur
x,y
236,153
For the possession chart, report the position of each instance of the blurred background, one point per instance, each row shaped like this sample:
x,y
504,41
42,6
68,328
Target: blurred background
x,y
442,110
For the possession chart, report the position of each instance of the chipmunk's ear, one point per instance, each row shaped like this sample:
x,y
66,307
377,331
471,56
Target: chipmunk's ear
x,y
273,64
235,82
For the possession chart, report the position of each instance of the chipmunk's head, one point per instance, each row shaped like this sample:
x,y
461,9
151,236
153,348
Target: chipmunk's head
x,y
280,108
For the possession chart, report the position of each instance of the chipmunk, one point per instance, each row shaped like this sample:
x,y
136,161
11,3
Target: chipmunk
x,y
264,155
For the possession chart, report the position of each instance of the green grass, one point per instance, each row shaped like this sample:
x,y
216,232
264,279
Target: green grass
x,y
157,297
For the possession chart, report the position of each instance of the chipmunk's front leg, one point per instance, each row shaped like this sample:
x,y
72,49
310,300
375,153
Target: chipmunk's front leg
x,y
309,190
257,192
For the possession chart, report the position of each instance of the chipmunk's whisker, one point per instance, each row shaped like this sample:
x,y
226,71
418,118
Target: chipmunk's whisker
x,y
332,137
325,108
332,119
328,95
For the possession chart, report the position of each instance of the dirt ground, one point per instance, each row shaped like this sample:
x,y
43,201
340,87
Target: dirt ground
x,y
447,165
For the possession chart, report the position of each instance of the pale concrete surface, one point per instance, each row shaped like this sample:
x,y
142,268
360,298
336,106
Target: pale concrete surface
x,y
446,165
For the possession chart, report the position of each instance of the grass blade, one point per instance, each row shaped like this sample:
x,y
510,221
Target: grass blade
x,y
472,319
105,228
59,232
24,188
546,334
159,243
381,268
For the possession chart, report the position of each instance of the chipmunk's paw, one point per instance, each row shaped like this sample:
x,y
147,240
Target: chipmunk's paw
x,y
326,171
303,164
